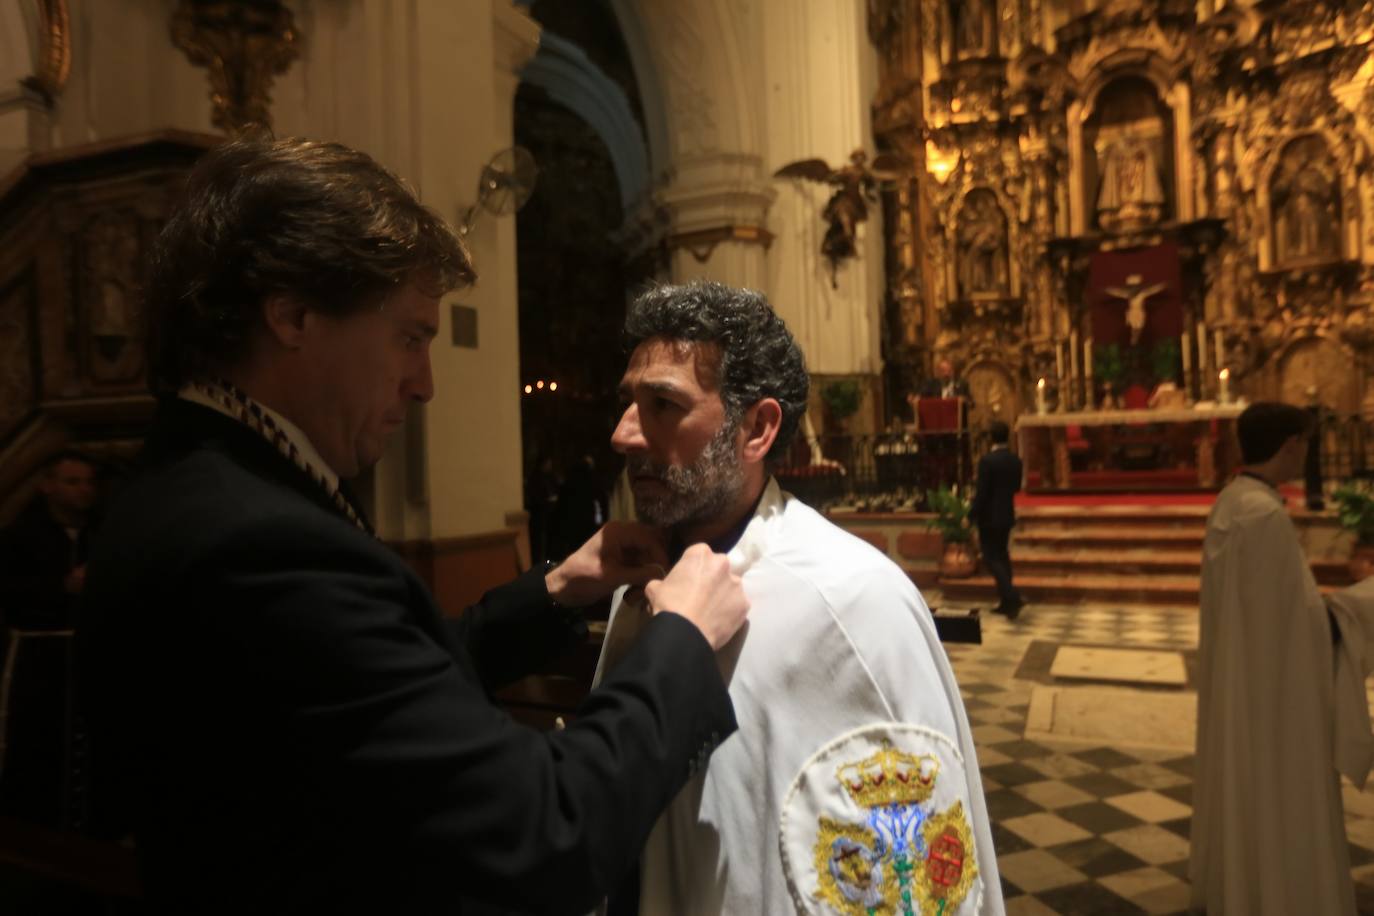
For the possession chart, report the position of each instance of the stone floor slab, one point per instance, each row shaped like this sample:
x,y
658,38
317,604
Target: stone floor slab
x,y
1127,666
1097,716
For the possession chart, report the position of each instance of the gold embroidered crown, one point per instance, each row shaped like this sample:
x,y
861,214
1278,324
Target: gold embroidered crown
x,y
890,777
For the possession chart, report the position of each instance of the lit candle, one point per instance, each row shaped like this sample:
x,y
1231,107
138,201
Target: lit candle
x,y
1224,386
1040,396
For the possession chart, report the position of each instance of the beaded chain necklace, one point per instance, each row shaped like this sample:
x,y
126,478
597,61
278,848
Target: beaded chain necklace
x,y
233,402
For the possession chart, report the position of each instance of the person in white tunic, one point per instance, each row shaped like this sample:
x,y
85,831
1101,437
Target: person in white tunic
x,y
852,785
1268,834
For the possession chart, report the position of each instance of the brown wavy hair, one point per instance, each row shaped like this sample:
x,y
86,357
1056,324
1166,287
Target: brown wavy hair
x,y
319,222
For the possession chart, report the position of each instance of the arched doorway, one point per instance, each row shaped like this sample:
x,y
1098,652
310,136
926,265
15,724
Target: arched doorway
x,y
574,276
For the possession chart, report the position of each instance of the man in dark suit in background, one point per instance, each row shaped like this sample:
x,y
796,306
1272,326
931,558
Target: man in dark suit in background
x,y
43,552
42,574
293,724
945,384
994,512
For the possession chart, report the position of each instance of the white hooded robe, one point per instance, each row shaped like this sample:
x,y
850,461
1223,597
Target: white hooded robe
x,y
1268,833
843,693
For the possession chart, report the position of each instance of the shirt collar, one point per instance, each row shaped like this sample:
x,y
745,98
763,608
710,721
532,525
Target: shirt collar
x,y
198,395
726,541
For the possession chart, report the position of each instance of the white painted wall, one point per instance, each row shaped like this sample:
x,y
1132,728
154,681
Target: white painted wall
x,y
428,88
820,75
734,90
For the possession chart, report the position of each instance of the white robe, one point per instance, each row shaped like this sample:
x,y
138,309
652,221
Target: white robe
x,y
838,678
1268,833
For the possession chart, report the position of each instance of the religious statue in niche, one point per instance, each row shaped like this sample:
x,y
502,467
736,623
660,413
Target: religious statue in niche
x,y
113,317
856,184
1305,199
1132,192
971,21
982,247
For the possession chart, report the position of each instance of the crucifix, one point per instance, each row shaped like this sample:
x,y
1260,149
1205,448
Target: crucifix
x,y
1135,294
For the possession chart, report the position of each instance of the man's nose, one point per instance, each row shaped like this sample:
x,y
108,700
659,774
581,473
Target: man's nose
x,y
628,435
420,384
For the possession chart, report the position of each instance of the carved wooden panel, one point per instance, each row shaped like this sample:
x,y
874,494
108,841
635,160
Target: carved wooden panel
x,y
994,395
1324,366
18,362
76,226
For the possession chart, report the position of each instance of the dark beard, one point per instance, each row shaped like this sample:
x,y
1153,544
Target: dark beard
x,y
699,492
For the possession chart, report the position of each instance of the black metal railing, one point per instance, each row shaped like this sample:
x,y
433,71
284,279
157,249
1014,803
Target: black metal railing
x,y
1345,446
884,471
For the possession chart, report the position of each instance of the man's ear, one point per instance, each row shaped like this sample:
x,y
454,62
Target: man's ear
x,y
285,320
760,429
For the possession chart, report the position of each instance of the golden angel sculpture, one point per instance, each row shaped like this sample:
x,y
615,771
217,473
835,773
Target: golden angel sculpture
x,y
855,185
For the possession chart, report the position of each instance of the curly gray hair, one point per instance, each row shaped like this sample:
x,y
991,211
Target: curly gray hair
x,y
758,356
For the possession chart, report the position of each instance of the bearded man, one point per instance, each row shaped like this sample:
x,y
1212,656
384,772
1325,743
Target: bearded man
x,y
852,782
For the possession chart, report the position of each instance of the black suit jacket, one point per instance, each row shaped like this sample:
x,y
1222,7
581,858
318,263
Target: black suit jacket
x,y
932,388
999,480
298,731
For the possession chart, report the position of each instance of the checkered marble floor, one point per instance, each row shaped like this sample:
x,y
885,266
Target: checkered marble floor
x,y
1094,830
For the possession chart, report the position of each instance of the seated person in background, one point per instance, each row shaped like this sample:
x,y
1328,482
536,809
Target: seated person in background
x,y
852,782
43,553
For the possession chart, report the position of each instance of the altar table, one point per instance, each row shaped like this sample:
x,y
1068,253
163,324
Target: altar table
x,y
1169,448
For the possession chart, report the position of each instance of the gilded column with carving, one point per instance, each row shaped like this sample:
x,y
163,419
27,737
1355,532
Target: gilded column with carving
x,y
243,45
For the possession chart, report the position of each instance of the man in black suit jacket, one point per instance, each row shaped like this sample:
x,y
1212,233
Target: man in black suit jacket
x,y
294,727
993,511
945,384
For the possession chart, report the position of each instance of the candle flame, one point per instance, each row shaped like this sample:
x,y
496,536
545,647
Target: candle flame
x,y
1225,374
1040,384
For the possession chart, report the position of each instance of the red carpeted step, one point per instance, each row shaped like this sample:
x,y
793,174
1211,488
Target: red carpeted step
x,y
1112,537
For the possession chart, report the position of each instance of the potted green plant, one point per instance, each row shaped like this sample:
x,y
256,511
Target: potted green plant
x,y
841,399
1355,508
1165,360
951,520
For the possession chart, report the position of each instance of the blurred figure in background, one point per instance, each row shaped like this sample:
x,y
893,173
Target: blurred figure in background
x,y
43,553
580,509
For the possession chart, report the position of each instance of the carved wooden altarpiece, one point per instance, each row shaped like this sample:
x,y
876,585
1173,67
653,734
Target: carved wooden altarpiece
x,y
1047,132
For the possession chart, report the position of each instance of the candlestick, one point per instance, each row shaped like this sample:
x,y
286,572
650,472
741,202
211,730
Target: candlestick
x,y
1224,386
1073,370
1040,396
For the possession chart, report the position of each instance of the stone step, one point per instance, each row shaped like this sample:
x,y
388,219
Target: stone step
x,y
1071,589
1101,561
1111,537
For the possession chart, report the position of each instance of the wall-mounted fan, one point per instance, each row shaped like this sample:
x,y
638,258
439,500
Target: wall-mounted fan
x,y
506,183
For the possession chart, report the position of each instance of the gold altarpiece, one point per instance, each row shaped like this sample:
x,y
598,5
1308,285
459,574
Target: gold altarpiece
x,y
1050,136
